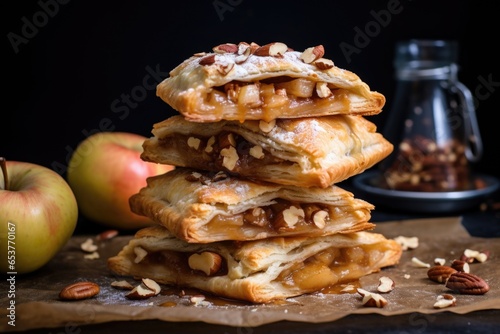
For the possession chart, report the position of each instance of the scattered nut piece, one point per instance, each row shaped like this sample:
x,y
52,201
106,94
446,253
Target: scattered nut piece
x,y
106,235
460,265
418,263
471,255
407,276
445,300
407,242
439,261
92,256
385,284
151,285
207,262
210,144
140,254
140,292
122,285
198,300
208,60
79,291
372,299
440,273
88,246
467,283
348,288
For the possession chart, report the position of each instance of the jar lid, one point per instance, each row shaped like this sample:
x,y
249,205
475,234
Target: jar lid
x,y
425,53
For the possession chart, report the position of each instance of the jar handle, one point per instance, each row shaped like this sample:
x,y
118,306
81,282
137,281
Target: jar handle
x,y
474,145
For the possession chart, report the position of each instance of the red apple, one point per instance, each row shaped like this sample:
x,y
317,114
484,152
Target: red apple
x,y
105,171
38,215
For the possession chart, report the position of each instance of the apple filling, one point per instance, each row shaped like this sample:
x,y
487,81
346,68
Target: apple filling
x,y
331,266
225,151
281,216
274,95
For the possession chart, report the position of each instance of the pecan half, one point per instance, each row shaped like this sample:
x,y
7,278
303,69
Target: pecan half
x,y
440,273
79,291
467,284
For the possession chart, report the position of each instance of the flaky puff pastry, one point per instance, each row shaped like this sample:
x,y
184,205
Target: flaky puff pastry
x,y
244,82
304,152
256,271
201,207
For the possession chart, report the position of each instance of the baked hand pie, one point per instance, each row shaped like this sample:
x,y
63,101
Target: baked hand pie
x,y
303,152
257,271
204,207
251,82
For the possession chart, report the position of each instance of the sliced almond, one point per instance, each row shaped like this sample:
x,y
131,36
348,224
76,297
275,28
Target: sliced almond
x,y
226,48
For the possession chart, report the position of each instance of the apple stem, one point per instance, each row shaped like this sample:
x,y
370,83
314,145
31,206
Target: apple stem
x,y
3,165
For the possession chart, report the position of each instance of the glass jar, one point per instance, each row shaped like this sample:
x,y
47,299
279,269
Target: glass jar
x,y
431,123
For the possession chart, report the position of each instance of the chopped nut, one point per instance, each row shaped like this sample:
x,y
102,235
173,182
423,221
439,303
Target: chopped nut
x,y
324,64
266,126
106,235
225,68
88,246
257,152
140,254
445,300
208,60
439,261
272,49
207,262
194,142
407,276
471,255
385,284
140,292
91,256
230,157
226,48
311,54
322,90
210,144
198,300
292,214
418,263
151,285
460,265
407,242
372,299
348,288
319,218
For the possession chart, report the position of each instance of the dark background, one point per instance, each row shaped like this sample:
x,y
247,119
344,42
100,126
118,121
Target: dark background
x,y
74,69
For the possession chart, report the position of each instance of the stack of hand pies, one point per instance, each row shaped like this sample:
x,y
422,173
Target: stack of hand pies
x,y
252,210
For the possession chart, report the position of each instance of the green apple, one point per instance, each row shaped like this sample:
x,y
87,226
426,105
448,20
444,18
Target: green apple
x,y
104,171
38,215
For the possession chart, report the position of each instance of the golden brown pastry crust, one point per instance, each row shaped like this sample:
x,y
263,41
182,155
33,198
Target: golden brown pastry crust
x,y
200,208
189,88
258,271
303,152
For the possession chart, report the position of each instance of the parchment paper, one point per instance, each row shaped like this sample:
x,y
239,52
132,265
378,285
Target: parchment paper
x,y
37,304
